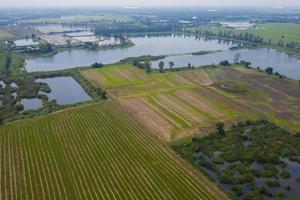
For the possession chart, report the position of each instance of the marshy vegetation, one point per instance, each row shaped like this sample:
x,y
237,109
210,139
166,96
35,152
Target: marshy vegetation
x,y
251,160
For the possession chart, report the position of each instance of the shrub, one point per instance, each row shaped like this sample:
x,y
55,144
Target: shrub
x,y
225,63
97,65
287,187
285,174
272,183
238,190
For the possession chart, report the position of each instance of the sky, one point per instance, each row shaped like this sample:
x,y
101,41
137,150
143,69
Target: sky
x,y
155,3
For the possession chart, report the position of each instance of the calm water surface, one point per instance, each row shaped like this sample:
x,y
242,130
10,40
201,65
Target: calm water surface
x,y
65,90
157,45
170,44
31,104
280,61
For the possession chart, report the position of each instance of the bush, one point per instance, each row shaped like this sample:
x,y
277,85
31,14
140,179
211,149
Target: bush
x,y
97,65
285,174
269,70
287,187
238,190
225,63
272,183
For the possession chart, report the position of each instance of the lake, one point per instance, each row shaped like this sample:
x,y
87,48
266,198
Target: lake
x,y
65,90
280,61
169,44
156,45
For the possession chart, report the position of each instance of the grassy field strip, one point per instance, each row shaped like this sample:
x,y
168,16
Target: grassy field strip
x,y
171,103
198,104
83,154
176,119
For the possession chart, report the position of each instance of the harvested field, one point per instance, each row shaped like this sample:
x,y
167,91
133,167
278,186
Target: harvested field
x,y
274,98
199,77
21,31
149,117
4,35
93,152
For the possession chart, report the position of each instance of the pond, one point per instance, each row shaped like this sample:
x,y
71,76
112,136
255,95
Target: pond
x,y
292,167
31,104
166,45
154,45
2,84
25,42
65,90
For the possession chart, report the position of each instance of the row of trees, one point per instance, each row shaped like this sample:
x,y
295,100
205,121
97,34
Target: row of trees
x,y
245,36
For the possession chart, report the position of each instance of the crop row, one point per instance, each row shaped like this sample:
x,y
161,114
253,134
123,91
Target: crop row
x,y
95,152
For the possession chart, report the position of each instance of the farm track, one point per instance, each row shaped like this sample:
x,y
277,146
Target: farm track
x,y
92,152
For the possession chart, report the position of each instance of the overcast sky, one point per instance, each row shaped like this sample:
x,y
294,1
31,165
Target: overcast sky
x,y
273,3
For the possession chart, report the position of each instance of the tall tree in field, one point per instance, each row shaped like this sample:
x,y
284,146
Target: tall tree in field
x,y
147,66
7,63
161,66
171,63
220,128
237,57
189,65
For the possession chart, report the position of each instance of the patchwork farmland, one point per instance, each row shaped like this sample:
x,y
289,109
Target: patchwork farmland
x,y
178,104
96,151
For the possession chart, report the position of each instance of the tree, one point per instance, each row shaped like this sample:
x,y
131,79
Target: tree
x,y
237,57
269,70
225,63
161,66
68,42
7,64
171,63
97,65
147,66
189,65
220,128
104,95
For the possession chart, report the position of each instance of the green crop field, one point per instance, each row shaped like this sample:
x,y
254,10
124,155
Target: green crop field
x,y
287,32
93,152
16,66
4,35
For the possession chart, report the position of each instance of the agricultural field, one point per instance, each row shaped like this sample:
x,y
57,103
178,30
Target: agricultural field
x,y
287,32
4,35
96,151
81,18
178,104
16,66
